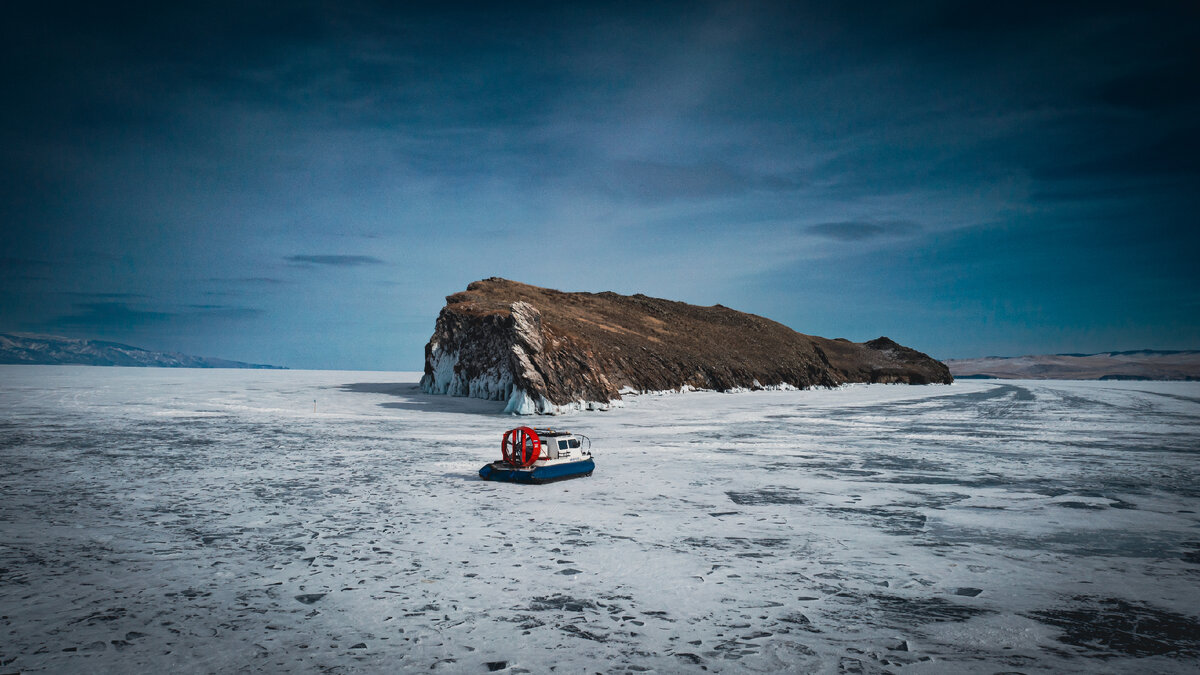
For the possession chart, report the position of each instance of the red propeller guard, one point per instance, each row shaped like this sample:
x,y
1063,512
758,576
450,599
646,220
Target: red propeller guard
x,y
521,447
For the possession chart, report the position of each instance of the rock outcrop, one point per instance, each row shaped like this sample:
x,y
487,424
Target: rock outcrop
x,y
543,350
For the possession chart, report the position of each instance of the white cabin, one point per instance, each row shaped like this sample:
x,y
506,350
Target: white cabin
x,y
562,445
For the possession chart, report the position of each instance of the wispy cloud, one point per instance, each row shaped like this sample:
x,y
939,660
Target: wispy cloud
x,y
224,312
10,262
334,260
250,280
105,315
24,269
104,296
659,181
853,230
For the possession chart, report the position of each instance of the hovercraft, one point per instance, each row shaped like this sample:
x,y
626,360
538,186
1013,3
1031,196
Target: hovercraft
x,y
540,456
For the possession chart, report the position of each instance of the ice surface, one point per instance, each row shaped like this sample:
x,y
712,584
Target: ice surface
x,y
210,520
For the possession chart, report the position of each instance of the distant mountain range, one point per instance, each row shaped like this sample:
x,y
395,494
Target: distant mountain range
x,y
1145,364
24,348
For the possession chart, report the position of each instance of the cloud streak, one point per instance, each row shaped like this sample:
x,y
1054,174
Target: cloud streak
x,y
105,296
107,315
863,230
268,281
334,260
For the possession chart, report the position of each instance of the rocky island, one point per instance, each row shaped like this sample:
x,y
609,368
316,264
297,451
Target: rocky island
x,y
545,351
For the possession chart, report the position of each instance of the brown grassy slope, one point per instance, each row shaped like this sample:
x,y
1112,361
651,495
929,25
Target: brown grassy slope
x,y
598,343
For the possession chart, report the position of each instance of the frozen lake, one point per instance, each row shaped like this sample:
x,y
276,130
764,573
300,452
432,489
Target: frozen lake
x,y
158,520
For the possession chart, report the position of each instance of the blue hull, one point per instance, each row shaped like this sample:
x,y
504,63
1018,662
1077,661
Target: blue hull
x,y
536,475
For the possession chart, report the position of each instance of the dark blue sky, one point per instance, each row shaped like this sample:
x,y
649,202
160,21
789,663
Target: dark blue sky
x,y
303,183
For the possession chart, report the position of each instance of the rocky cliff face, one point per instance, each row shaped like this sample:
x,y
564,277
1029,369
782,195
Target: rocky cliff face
x,y
543,350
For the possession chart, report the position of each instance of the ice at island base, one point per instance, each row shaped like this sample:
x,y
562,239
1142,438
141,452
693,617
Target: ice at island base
x,y
521,403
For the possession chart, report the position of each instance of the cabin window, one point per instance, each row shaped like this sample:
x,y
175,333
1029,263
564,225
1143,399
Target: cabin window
x,y
574,443
562,445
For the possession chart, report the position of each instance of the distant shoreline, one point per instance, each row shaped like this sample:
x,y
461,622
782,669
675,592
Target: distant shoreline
x,y
1138,365
54,350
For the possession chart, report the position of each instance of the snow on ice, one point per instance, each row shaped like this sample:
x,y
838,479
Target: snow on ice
x,y
210,520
